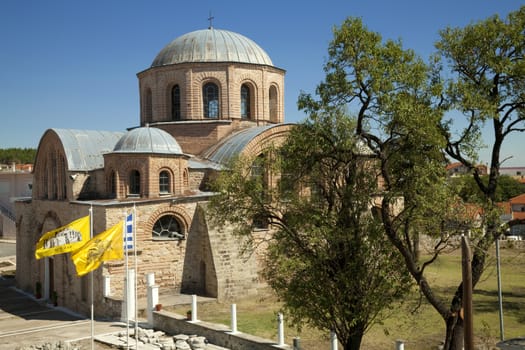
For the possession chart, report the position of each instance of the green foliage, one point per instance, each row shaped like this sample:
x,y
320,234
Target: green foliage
x,y
487,87
469,191
17,155
326,259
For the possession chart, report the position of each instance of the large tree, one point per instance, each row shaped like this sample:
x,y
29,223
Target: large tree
x,y
326,258
487,88
399,107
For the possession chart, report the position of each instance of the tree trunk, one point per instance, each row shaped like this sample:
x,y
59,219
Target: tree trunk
x,y
353,343
454,333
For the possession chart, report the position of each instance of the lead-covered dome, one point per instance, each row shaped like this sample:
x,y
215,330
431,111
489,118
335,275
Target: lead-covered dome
x,y
212,45
147,140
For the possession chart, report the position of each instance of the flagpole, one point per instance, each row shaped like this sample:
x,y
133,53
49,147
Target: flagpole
x,y
124,229
134,220
91,282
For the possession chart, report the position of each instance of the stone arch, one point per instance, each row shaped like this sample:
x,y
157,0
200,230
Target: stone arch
x,y
179,212
200,274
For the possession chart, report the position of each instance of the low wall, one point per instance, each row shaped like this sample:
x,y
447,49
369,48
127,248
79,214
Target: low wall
x,y
216,334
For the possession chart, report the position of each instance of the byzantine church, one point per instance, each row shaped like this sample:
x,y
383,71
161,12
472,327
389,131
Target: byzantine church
x,y
209,96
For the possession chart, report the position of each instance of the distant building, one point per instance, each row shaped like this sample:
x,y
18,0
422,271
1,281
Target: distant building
x,y
458,169
517,173
208,97
16,182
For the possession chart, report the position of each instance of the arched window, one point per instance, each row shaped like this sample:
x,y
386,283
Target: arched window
x,y
274,110
134,183
259,174
148,106
210,100
164,182
112,185
175,103
245,102
167,227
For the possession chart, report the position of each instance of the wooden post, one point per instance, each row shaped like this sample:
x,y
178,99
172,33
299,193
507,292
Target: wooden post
x,y
466,261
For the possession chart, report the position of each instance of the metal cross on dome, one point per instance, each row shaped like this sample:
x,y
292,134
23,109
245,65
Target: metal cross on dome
x,y
210,18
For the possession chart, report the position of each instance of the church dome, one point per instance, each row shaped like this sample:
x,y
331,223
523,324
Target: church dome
x,y
212,45
147,140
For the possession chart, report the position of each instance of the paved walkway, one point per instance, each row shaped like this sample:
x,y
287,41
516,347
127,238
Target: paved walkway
x,y
25,321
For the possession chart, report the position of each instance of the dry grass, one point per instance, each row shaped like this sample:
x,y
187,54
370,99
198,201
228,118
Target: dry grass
x,y
415,321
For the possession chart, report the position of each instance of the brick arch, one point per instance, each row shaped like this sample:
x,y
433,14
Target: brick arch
x,y
125,170
49,179
177,211
171,172
197,85
274,107
254,95
168,97
108,172
274,136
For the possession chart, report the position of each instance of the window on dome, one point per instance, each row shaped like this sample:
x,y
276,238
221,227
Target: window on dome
x,y
273,104
245,102
175,103
210,97
112,185
148,106
134,183
164,182
167,227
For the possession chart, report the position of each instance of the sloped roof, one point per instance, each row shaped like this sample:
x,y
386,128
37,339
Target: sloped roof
x,y
230,147
518,199
84,149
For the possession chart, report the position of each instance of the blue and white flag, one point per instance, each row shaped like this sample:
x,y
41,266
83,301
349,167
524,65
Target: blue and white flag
x,y
128,233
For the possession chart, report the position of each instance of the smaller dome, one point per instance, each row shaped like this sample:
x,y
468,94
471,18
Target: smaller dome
x,y
147,140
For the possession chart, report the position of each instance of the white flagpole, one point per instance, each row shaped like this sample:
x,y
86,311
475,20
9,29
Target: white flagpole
x,y
91,282
127,280
134,236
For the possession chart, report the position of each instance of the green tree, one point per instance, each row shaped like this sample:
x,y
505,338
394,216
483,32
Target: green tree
x,y
487,88
326,258
398,104
469,190
17,155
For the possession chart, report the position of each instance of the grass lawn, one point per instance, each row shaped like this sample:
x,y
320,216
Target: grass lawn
x,y
415,322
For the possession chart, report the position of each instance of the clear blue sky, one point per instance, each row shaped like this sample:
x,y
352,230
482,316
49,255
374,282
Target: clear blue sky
x,y
73,63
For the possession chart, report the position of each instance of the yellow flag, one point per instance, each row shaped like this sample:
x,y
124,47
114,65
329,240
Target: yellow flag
x,y
104,246
64,239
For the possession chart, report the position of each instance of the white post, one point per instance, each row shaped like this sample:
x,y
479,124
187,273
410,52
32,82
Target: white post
x,y
400,345
129,297
107,286
333,341
234,318
153,299
193,308
150,278
280,329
